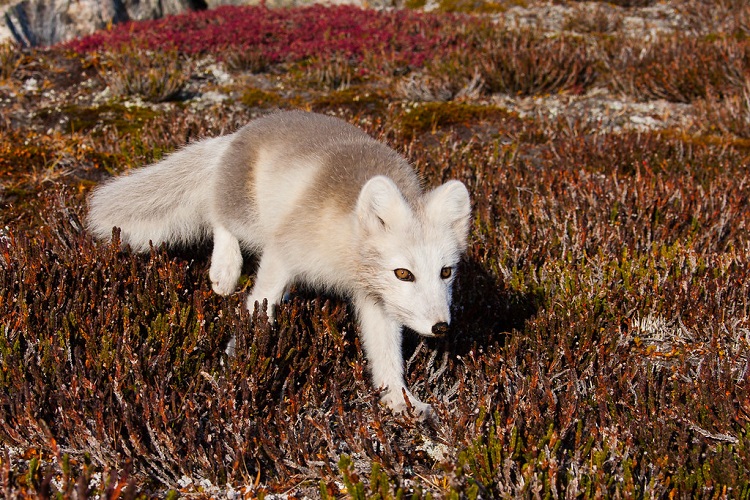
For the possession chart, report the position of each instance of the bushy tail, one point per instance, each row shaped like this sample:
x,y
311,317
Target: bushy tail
x,y
168,202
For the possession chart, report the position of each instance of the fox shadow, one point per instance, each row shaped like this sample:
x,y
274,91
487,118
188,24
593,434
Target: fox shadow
x,y
485,311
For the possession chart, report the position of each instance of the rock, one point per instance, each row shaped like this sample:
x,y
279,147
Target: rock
x,y
46,22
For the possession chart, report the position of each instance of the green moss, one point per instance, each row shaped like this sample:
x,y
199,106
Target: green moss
x,y
434,115
256,98
356,98
73,118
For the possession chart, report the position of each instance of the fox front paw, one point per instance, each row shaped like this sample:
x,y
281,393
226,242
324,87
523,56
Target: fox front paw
x,y
396,402
224,276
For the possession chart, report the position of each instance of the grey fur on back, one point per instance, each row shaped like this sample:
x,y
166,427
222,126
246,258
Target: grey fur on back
x,y
343,156
213,182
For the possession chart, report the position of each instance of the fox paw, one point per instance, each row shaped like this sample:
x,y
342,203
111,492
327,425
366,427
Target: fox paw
x,y
224,275
396,402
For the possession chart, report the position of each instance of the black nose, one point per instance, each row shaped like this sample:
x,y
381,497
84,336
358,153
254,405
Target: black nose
x,y
440,329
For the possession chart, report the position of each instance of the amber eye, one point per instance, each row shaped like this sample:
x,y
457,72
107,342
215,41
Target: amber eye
x,y
446,272
403,274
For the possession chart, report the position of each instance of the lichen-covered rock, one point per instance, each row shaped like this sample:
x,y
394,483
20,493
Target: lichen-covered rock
x,y
46,22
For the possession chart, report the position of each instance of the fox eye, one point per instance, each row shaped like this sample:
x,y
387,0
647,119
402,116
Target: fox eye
x,y
403,274
446,272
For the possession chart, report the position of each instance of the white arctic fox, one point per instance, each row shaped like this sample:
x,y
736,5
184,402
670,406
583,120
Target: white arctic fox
x,y
324,205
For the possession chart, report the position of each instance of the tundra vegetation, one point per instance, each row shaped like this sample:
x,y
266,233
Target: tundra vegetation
x,y
601,333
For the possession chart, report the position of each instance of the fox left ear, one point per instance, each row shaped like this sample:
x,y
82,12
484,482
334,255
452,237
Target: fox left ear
x,y
449,204
381,205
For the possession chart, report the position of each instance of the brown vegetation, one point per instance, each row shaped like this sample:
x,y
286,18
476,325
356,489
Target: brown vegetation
x,y
601,331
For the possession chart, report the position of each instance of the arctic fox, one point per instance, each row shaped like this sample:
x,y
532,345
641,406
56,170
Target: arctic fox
x,y
324,205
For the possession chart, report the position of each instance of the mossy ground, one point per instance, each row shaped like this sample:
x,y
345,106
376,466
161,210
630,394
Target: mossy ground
x,y
601,329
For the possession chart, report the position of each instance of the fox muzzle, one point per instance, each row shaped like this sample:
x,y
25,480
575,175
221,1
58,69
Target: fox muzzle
x,y
440,329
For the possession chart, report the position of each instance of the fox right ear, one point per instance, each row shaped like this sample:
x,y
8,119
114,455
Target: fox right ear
x,y
450,204
381,204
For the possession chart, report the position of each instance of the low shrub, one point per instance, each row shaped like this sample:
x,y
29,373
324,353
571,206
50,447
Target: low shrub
x,y
730,115
155,76
526,62
676,68
10,58
712,17
628,3
247,59
282,35
600,329
599,20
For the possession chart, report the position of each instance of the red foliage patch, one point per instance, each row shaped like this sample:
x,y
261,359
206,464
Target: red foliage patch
x,y
284,34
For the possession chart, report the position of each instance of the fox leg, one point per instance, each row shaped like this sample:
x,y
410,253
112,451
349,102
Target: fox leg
x,y
381,339
226,262
271,281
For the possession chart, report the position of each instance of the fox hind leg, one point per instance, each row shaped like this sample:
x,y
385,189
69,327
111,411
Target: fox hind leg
x,y
271,282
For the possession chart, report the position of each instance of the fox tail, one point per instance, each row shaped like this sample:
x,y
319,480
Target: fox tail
x,y
167,202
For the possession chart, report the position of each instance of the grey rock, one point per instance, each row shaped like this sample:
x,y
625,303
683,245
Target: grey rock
x,y
46,22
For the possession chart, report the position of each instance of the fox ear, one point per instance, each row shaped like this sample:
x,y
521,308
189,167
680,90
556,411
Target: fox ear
x,y
381,204
449,204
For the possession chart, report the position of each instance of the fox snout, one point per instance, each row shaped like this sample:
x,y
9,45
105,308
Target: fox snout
x,y
440,329
437,330
430,314
437,327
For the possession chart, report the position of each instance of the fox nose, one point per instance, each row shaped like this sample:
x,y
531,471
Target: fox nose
x,y
440,329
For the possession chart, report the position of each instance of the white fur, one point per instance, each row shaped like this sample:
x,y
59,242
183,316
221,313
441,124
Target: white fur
x,y
324,205
143,204
226,262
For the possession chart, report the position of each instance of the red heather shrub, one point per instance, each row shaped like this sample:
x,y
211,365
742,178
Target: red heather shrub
x,y
284,34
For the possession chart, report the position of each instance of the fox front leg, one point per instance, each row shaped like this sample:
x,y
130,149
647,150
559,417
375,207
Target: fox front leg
x,y
226,262
381,339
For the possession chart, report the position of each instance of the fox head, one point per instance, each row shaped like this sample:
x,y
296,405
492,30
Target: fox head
x,y
409,251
